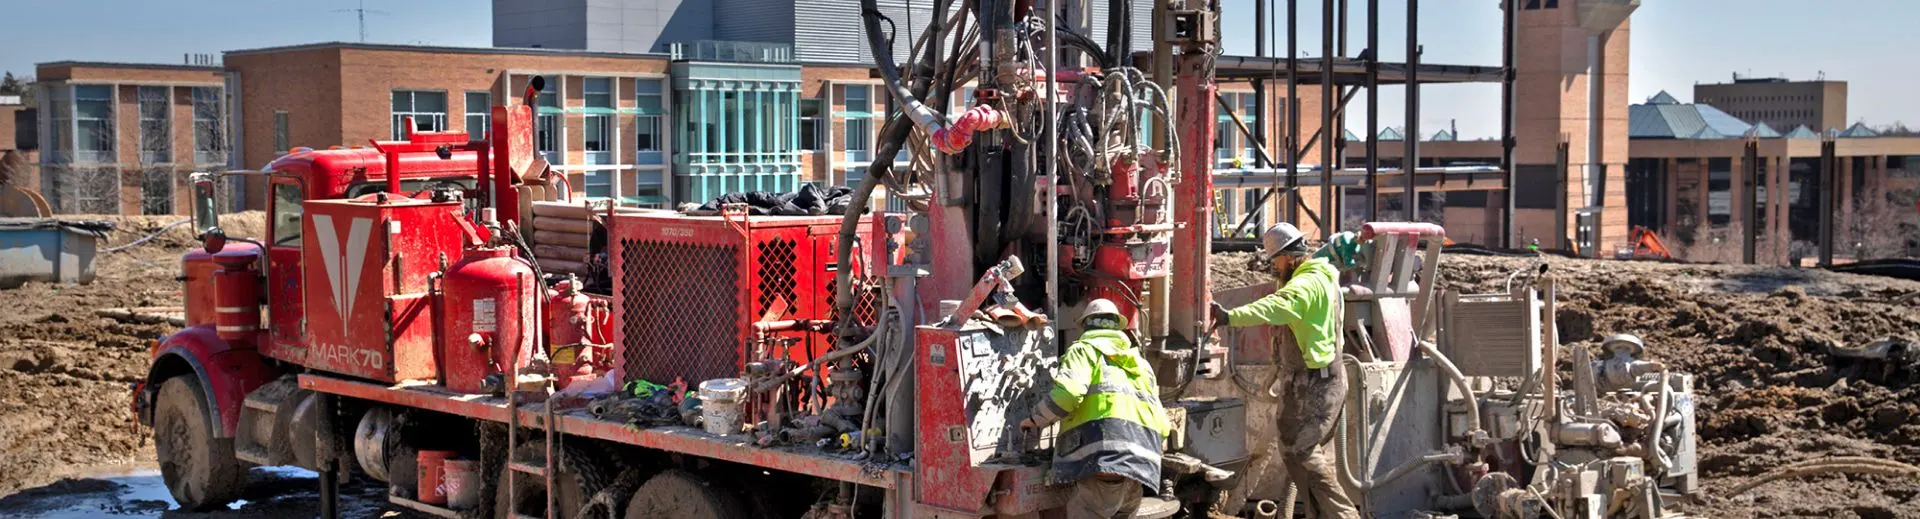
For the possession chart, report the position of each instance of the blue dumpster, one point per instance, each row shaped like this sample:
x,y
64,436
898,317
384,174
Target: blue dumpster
x,y
48,249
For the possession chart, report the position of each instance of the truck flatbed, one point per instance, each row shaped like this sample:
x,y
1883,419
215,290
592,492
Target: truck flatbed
x,y
678,439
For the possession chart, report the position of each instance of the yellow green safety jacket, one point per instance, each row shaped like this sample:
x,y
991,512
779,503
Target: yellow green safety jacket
x,y
1309,305
1108,405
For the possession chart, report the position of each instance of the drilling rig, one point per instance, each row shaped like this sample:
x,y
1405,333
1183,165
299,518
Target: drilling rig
x,y
397,325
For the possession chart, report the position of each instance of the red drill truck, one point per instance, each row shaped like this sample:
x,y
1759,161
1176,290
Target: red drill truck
x,y
398,323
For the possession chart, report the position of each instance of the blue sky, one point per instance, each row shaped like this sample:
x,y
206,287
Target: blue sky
x,y
1676,43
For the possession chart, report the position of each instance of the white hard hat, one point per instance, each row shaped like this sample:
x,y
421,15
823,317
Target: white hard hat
x,y
1281,237
1103,307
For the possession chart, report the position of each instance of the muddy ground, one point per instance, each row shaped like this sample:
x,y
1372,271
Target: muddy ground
x,y
1757,339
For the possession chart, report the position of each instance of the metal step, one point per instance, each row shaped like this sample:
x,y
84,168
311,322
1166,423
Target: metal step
x,y
528,468
436,511
254,454
1156,508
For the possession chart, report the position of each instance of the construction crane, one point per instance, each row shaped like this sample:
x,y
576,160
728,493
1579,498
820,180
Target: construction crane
x,y
423,312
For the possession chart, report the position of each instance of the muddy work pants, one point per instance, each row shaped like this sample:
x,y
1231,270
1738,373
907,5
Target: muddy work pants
x,y
1308,418
1104,497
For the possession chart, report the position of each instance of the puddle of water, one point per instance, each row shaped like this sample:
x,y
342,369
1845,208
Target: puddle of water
x,y
140,492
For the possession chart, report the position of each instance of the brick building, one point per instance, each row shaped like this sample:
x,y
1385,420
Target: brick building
x,y
120,138
1782,104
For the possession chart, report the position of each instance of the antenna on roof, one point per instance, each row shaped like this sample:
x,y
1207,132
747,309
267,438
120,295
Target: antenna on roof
x,y
361,13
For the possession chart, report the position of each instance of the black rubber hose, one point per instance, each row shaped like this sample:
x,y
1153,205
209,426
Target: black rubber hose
x,y
892,137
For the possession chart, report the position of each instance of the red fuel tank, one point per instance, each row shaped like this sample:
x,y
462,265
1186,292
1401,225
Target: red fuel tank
x,y
237,295
487,319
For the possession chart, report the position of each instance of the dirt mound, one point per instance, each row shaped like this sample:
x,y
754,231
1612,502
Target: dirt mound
x,y
68,372
1760,343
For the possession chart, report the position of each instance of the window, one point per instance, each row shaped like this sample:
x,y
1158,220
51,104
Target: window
x,y
61,122
859,101
810,124
547,129
156,135
281,140
649,187
649,99
1252,205
428,110
598,184
1249,114
855,175
209,126
156,191
286,215
479,115
859,138
647,134
599,136
93,121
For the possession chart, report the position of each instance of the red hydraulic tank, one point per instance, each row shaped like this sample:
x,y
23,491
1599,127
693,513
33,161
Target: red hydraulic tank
x,y
237,295
487,319
574,341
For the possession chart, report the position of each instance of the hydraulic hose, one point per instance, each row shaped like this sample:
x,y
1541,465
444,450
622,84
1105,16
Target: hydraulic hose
x,y
1654,456
923,116
892,137
1849,465
1453,372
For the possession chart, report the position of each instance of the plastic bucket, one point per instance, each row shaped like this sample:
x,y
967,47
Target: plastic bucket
x,y
462,484
720,401
432,470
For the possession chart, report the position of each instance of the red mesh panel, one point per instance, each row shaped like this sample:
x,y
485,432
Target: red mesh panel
x,y
776,257
865,307
681,313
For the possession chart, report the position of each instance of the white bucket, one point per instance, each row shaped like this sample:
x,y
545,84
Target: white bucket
x,y
462,482
720,401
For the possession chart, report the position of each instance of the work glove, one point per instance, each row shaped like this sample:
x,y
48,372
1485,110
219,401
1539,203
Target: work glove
x,y
1219,314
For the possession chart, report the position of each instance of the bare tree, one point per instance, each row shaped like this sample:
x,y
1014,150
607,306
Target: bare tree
x,y
1883,226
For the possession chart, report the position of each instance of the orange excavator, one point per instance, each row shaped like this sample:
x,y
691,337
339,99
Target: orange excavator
x,y
1647,245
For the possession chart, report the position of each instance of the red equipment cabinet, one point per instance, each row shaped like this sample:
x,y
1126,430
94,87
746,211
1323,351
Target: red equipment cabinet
x,y
366,263
687,289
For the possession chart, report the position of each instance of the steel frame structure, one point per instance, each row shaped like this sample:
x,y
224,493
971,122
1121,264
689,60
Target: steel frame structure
x,y
1338,75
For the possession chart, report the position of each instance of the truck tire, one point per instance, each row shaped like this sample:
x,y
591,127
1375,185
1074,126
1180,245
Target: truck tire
x,y
198,468
579,477
682,495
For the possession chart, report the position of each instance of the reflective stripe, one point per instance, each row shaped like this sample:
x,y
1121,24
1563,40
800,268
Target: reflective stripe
x,y
1116,388
236,328
1107,446
1049,412
236,309
1124,446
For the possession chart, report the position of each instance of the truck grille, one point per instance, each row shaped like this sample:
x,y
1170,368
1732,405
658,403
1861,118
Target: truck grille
x,y
680,313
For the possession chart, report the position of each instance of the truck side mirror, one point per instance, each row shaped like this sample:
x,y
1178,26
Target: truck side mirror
x,y
206,217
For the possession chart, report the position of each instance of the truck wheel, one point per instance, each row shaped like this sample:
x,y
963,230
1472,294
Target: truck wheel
x,y
579,477
681,495
198,468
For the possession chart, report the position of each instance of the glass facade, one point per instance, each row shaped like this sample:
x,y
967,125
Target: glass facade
x,y
737,129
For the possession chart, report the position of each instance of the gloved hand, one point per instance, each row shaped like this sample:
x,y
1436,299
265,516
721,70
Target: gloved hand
x,y
1219,314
